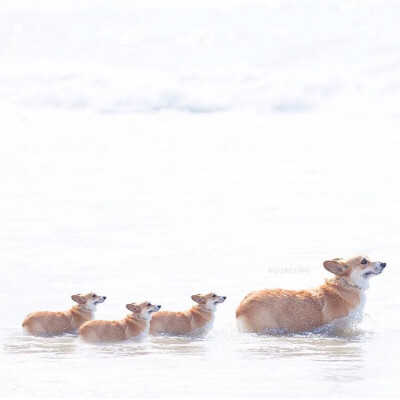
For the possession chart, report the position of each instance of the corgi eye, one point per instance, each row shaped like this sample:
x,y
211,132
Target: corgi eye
x,y
148,304
93,295
214,295
363,261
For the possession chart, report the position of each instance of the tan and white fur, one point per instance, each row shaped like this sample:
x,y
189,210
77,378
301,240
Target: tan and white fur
x,y
135,325
51,323
304,310
198,320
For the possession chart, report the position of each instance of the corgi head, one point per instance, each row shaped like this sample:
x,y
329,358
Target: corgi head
x,y
143,310
356,270
209,301
88,301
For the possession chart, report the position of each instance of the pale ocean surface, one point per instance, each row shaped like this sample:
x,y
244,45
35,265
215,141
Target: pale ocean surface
x,y
153,151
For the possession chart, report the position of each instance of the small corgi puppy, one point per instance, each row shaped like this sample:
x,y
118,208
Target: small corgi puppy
x,y
304,310
135,325
50,323
199,319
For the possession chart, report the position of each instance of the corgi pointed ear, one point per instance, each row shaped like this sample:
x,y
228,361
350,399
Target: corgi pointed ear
x,y
133,307
198,298
336,266
78,298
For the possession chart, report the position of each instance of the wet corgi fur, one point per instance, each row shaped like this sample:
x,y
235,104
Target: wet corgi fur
x,y
50,323
304,310
197,320
134,325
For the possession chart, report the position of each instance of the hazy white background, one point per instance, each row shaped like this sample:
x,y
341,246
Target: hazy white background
x,y
152,150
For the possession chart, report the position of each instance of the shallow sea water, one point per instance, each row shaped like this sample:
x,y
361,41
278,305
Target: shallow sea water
x,y
162,231
192,150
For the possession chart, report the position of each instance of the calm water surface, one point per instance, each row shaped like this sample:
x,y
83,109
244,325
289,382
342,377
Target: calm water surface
x,y
159,153
133,230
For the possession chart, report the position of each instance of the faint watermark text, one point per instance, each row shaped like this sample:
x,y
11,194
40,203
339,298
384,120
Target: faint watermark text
x,y
288,270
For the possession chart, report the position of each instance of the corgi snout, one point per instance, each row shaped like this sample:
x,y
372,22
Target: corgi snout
x,y
220,300
155,308
375,269
379,267
100,299
152,307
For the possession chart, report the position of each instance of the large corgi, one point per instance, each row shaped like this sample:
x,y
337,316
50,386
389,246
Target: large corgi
x,y
305,310
135,325
49,323
197,320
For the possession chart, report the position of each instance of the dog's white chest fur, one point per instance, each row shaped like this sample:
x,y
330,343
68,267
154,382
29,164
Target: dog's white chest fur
x,y
346,324
358,311
144,332
142,335
204,329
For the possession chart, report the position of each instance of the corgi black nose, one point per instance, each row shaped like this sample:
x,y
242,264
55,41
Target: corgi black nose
x,y
104,297
383,265
224,297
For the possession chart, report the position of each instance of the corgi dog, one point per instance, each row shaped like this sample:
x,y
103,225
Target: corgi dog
x,y
50,323
135,325
199,319
304,310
